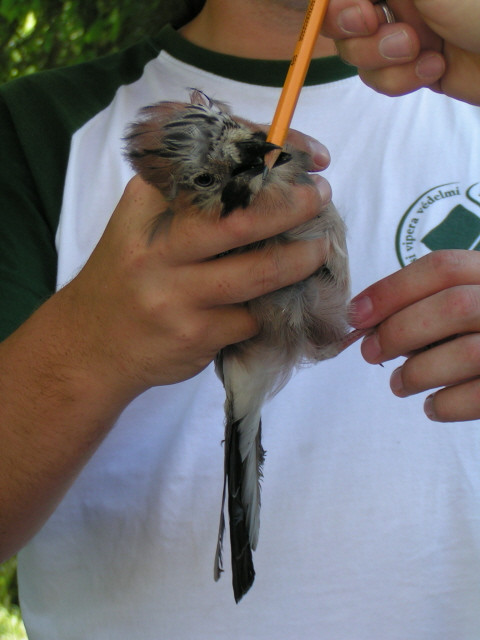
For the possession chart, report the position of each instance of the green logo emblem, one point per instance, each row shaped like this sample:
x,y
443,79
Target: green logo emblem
x,y
444,217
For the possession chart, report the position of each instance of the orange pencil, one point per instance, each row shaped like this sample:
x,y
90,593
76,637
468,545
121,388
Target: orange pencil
x,y
295,77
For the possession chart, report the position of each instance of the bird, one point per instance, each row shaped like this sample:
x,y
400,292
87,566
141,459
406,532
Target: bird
x,y
198,153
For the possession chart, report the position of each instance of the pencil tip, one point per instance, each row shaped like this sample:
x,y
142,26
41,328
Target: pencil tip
x,y
270,159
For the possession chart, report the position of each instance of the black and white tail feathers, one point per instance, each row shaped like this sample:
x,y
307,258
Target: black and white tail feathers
x,y
244,457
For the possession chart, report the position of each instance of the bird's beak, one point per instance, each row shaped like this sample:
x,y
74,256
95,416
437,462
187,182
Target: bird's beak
x,y
237,192
254,153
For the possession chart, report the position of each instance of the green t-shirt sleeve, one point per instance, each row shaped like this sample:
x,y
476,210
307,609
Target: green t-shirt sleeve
x,y
38,116
27,241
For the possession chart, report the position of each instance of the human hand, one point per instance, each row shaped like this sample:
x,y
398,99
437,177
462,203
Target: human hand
x,y
433,44
428,311
155,307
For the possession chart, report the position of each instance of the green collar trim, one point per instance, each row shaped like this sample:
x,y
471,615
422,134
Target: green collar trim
x,y
270,73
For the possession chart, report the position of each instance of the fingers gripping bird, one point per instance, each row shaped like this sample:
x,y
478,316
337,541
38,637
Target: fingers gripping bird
x,y
198,154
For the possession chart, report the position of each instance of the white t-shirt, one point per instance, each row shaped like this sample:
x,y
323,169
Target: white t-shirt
x,y
370,522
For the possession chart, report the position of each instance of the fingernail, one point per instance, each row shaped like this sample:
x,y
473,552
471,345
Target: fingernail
x,y
360,310
319,154
430,67
371,349
396,382
396,45
324,188
428,408
352,22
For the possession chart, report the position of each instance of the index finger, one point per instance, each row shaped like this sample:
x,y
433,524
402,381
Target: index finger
x,y
317,152
434,272
193,237
347,18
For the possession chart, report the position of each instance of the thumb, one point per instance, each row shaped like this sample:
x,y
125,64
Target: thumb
x,y
456,22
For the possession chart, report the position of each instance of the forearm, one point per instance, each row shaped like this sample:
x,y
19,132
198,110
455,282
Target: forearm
x,y
55,410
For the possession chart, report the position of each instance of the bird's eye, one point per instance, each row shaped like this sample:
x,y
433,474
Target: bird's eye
x,y
204,180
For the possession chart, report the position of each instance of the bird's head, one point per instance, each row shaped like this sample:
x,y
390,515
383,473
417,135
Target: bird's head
x,y
199,149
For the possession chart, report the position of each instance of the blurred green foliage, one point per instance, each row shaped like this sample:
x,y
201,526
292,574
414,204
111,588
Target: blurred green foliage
x,y
11,626
43,34
8,584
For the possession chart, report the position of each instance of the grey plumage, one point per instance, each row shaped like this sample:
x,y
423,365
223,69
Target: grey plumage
x,y
198,154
